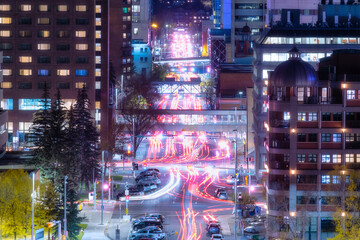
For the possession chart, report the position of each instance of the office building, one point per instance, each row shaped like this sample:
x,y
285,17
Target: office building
x,y
141,20
3,117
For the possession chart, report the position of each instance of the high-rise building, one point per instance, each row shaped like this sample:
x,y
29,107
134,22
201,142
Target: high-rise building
x,y
312,129
141,20
65,45
3,117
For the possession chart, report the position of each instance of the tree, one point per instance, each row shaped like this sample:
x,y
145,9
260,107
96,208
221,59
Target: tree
x,y
208,91
139,108
15,199
159,72
86,136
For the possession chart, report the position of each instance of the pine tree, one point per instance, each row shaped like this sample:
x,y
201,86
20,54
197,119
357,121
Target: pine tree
x,y
86,136
73,219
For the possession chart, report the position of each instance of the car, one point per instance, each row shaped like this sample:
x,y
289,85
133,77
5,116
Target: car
x,y
142,237
222,195
218,190
142,224
212,221
251,229
151,231
214,228
148,186
149,180
158,216
217,237
152,170
144,219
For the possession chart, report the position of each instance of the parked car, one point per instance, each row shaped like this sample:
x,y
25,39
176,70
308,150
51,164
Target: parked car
x,y
217,237
158,216
251,229
147,186
142,224
149,179
222,195
142,237
219,190
214,228
153,232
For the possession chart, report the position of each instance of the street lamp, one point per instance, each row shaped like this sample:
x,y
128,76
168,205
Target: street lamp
x,y
235,184
102,187
32,205
65,221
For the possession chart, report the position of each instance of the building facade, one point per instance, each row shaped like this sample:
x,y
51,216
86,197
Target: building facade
x,y
142,58
3,117
311,131
141,20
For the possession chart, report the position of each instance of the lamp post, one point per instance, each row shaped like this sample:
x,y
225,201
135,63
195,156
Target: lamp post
x,y
235,185
319,219
102,187
65,220
32,206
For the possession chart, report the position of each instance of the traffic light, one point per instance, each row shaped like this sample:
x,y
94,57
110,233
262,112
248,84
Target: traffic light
x,y
127,198
50,224
246,180
128,149
145,166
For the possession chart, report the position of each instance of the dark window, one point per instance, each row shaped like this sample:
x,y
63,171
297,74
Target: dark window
x,y
63,34
325,137
326,116
62,21
7,59
337,116
63,59
25,21
63,47
312,137
25,33
82,59
312,158
25,46
63,85
82,21
350,116
44,59
41,85
301,158
25,85
5,46
301,137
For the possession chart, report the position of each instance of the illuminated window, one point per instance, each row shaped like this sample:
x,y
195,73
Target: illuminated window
x,y
125,10
25,7
98,9
44,34
7,104
97,85
80,84
81,47
62,8
97,116
325,158
31,104
25,72
286,116
43,46
350,94
5,7
81,34
98,47
136,31
136,8
63,72
312,116
98,22
43,72
43,8
349,158
25,59
98,72
97,105
81,72
43,21
336,158
336,137
7,72
98,34
124,35
6,84
5,20
98,60
5,33
81,8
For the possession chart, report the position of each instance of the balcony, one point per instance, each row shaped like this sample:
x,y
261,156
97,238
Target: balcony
x,y
313,124
279,98
352,145
307,145
331,145
311,100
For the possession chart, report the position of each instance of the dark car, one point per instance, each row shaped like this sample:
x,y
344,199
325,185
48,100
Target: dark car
x,y
147,223
213,228
157,216
219,190
222,195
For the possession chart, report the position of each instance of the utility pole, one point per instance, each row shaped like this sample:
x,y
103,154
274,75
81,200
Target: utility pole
x,y
109,184
32,206
102,187
65,220
235,185
94,195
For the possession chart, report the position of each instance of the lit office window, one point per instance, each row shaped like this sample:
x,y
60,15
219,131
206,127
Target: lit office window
x,y
43,8
98,59
43,46
98,47
98,21
44,34
5,7
124,35
97,116
5,20
43,72
81,72
98,9
97,105
80,84
81,8
7,104
98,72
6,84
25,7
63,8
98,34
80,34
63,72
7,72
136,31
25,59
82,47
43,21
5,33
25,72
31,104
97,85
336,158
350,158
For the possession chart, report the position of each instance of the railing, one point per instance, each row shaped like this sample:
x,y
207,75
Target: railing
x,y
279,123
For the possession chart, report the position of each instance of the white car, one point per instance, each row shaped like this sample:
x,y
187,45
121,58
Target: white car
x,y
217,237
151,231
